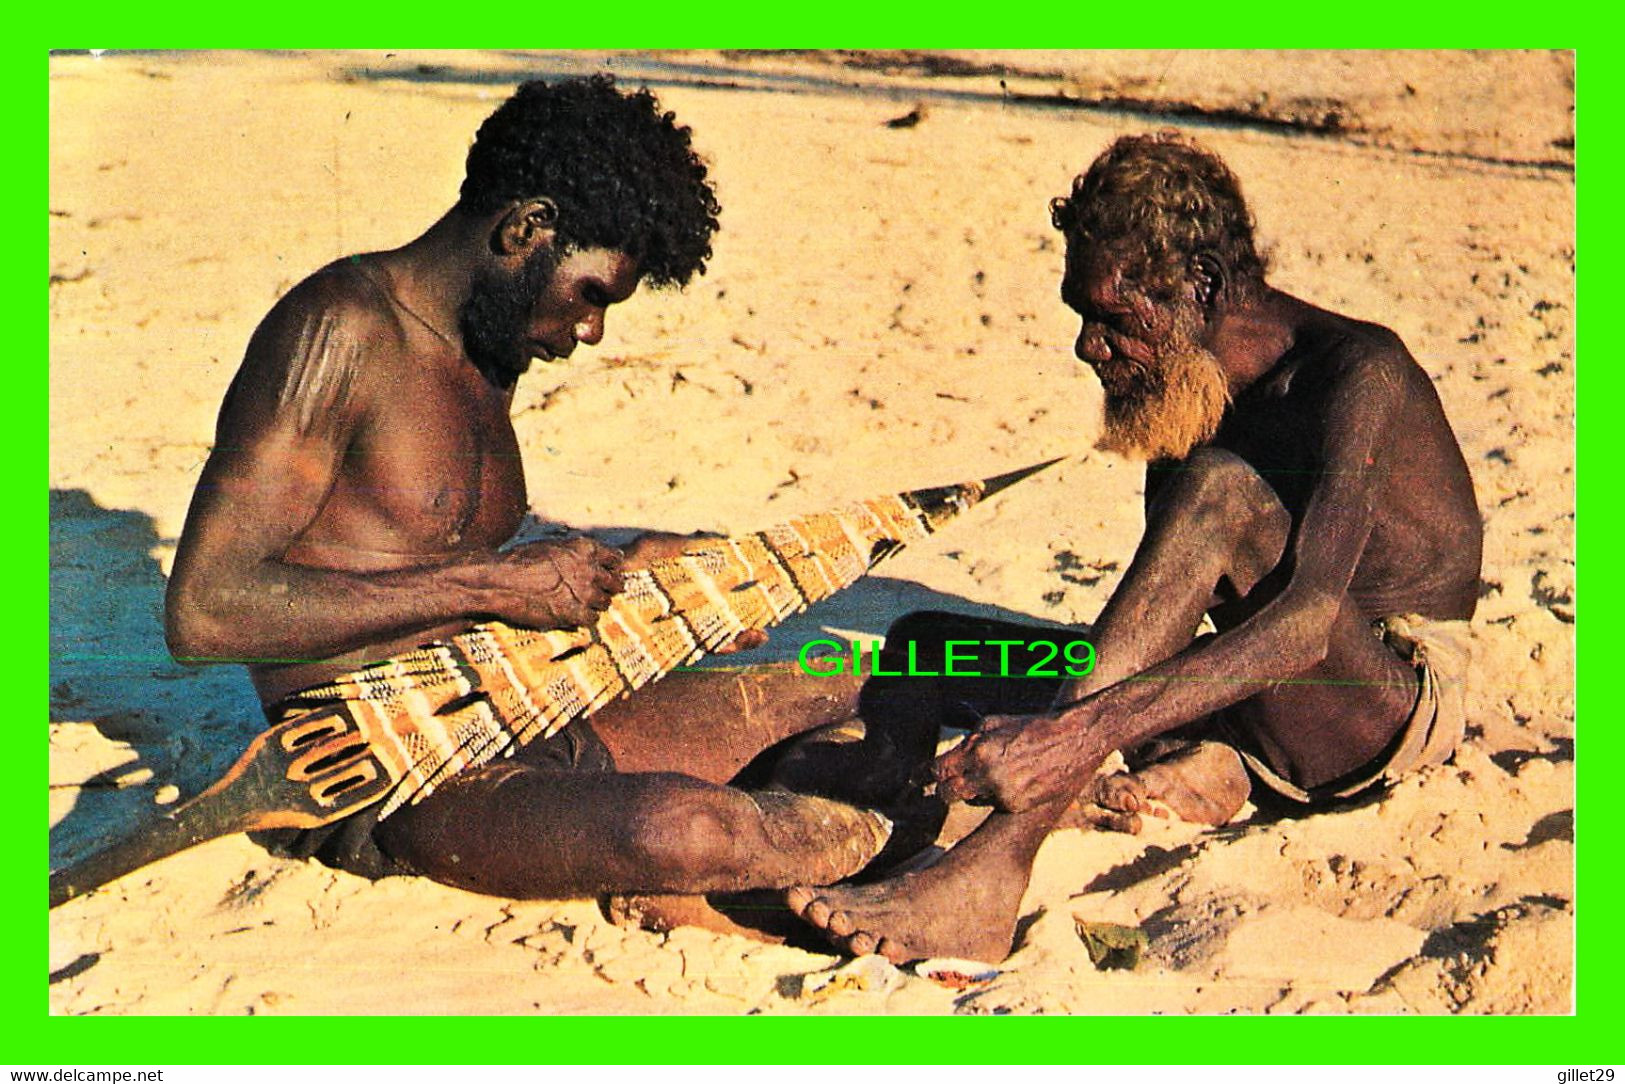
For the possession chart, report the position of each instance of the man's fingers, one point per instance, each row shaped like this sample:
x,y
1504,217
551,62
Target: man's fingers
x,y
588,598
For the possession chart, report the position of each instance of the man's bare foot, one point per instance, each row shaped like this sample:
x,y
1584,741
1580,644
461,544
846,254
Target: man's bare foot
x,y
1205,783
743,914
937,911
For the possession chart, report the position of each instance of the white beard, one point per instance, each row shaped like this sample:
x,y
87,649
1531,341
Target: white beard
x,y
1174,408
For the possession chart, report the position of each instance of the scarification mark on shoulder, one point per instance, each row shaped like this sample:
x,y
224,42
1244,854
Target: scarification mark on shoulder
x,y
323,370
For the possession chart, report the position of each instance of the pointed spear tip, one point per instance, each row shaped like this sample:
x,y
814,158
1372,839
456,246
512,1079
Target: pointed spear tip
x,y
940,504
999,482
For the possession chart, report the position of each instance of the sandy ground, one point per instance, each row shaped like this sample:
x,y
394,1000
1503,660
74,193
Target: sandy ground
x,y
881,314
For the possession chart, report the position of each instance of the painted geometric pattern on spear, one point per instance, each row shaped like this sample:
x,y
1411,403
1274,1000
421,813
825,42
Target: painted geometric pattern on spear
x,y
396,730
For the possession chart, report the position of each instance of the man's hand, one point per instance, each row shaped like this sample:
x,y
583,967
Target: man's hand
x,y
1018,761
558,585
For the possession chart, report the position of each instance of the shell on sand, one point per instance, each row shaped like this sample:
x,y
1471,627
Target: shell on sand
x,y
956,974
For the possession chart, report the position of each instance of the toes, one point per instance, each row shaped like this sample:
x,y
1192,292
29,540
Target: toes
x,y
1123,792
1206,784
798,899
1111,820
842,927
894,950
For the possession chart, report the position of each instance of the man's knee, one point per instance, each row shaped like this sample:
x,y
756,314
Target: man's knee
x,y
680,831
1220,482
1226,497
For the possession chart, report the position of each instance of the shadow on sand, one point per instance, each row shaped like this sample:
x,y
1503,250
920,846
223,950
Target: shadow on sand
x,y
115,690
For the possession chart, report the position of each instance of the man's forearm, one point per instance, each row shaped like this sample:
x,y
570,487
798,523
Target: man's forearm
x,y
286,613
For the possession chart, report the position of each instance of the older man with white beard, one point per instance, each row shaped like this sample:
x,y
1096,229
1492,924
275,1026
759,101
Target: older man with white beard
x,y
1303,490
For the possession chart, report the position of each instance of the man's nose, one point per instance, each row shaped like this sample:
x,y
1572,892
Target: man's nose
x,y
1092,345
590,328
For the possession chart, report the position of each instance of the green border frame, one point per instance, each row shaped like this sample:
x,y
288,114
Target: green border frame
x,y
35,1038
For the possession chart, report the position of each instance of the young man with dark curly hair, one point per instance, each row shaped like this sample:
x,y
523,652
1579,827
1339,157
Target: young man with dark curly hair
x,y
366,473
1303,490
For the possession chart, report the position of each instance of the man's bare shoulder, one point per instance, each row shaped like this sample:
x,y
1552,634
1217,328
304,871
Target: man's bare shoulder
x,y
1349,349
313,357
1367,372
342,295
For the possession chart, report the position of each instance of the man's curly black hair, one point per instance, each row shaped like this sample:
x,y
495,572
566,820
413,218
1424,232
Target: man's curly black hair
x,y
1157,200
623,173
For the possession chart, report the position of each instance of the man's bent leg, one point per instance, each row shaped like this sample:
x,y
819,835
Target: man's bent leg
x,y
1214,533
513,829
711,723
1335,718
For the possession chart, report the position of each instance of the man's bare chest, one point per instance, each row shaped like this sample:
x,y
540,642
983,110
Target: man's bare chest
x,y
437,467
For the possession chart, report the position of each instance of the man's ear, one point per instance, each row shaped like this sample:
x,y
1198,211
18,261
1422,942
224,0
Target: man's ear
x,y
1207,275
525,227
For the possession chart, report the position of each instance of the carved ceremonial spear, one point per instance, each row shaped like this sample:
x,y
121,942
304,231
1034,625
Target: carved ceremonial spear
x,y
395,730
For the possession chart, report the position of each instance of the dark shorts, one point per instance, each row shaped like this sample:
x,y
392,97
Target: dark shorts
x,y
352,845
